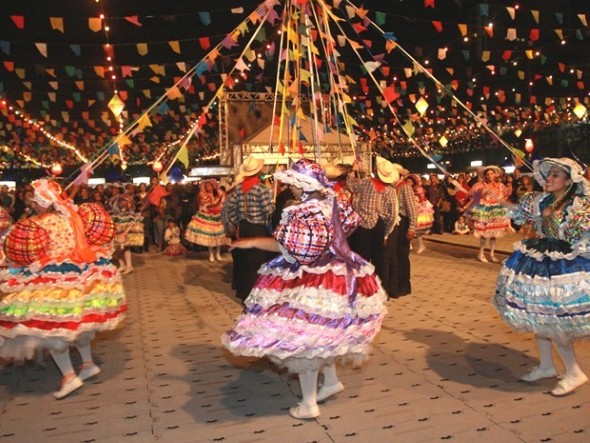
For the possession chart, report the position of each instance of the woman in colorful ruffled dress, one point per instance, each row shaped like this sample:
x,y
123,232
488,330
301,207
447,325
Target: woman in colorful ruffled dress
x,y
544,286
206,227
316,302
60,287
486,213
425,218
128,222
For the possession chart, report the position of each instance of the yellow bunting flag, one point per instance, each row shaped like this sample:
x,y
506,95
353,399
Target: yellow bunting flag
x,y
409,128
142,48
144,121
173,93
182,156
116,105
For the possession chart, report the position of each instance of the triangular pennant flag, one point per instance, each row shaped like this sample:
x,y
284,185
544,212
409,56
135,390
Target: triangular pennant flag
x,y
133,19
175,45
57,23
182,156
535,14
142,48
42,48
18,20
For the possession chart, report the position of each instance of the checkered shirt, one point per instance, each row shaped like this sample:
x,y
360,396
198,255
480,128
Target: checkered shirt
x,y
372,205
255,206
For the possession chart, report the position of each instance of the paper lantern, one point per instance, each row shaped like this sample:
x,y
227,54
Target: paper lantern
x,y
580,110
529,145
56,169
157,166
422,106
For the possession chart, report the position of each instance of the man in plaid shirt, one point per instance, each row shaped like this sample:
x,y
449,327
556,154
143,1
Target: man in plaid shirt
x,y
375,200
396,279
248,210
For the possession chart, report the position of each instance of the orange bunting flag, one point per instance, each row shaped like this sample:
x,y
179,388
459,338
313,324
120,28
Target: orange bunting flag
x,y
175,45
462,29
133,19
57,23
99,71
94,24
437,25
489,30
9,66
18,20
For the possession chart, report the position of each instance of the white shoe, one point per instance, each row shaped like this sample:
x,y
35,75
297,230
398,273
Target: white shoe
x,y
538,374
420,250
569,384
212,259
327,391
219,257
304,413
90,371
68,387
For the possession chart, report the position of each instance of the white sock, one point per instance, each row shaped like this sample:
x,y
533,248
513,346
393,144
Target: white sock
x,y
309,385
330,375
63,361
544,345
572,369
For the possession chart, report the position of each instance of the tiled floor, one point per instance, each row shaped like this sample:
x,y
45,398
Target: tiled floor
x,y
443,368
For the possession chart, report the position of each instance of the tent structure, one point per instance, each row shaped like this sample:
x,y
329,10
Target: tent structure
x,y
331,147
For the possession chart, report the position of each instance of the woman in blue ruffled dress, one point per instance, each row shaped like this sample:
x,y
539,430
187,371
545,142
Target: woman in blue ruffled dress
x,y
316,302
544,286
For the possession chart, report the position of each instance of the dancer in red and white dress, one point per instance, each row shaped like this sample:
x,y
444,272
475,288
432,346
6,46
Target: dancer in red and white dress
x,y
60,287
486,212
317,301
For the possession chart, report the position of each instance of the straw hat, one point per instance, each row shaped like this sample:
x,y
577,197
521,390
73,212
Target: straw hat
x,y
542,167
481,171
386,172
251,166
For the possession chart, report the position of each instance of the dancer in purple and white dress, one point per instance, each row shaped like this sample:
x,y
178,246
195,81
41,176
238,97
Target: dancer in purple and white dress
x,y
316,302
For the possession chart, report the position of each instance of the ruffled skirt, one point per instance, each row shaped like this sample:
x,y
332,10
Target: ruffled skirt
x,y
206,230
544,287
130,225
489,221
302,317
57,305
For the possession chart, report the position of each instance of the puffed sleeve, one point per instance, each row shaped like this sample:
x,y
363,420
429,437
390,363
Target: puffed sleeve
x,y
99,228
304,234
349,218
26,243
577,226
528,209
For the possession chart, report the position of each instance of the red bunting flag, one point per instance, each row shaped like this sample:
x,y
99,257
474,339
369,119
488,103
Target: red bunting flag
x,y
301,148
506,55
390,94
364,85
281,148
437,25
205,43
534,35
429,4
156,194
561,67
18,20
133,19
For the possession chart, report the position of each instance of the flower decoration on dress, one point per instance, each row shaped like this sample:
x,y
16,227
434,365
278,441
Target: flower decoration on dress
x,y
542,167
307,175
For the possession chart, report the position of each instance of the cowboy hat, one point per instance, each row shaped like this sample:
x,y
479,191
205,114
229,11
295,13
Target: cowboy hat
x,y
386,172
251,166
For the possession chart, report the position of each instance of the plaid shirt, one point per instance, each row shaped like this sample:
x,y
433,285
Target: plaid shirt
x,y
255,206
372,205
408,207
